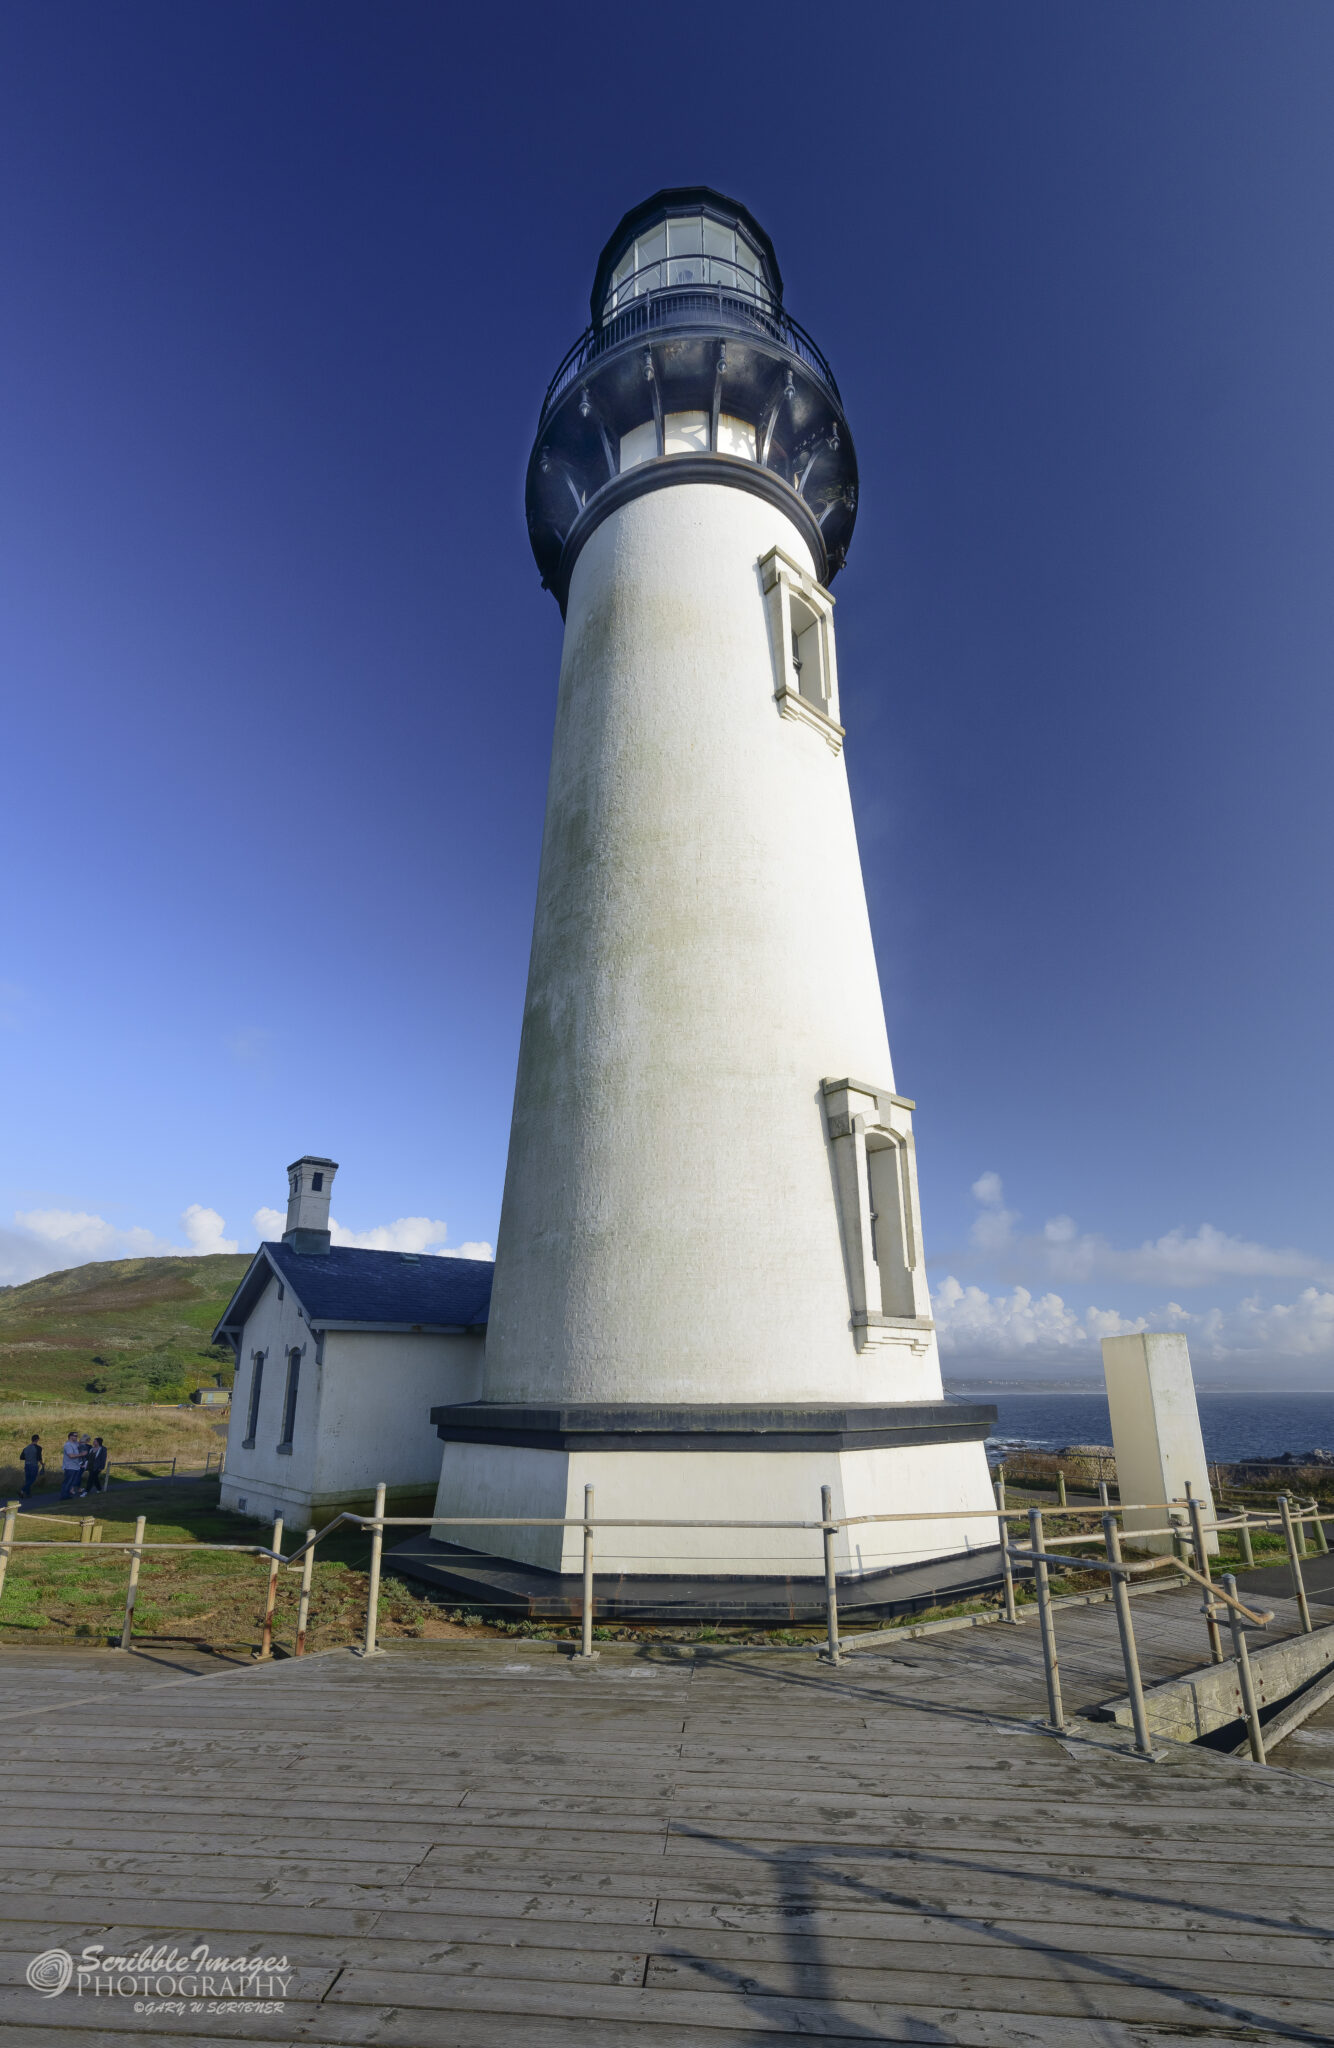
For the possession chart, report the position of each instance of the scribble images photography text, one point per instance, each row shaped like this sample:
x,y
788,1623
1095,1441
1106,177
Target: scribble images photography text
x,y
166,1979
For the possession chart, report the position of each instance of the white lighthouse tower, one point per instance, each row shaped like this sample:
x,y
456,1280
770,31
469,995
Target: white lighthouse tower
x,y
710,1294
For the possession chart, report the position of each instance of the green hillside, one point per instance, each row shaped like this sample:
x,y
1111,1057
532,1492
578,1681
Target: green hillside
x,y
129,1329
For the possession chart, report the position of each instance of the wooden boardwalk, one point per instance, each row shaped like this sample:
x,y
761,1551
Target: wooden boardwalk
x,y
462,1846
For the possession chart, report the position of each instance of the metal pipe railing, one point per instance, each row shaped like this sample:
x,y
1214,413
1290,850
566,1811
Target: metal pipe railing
x,y
1042,1555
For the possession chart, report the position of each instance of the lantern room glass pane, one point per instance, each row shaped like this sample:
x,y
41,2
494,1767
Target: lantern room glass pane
x,y
685,239
649,252
719,240
623,271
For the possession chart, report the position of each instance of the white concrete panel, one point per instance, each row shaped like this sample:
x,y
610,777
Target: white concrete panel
x,y
722,1486
496,1479
1155,1428
701,960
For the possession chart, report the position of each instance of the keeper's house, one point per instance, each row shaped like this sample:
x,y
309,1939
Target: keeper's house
x,y
341,1355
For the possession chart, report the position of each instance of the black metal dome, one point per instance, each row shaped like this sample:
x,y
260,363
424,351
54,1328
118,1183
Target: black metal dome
x,y
690,372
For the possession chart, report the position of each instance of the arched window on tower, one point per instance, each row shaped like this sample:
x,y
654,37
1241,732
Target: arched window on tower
x,y
870,1130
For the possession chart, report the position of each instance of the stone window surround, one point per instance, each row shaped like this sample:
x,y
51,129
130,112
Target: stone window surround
x,y
784,581
854,1112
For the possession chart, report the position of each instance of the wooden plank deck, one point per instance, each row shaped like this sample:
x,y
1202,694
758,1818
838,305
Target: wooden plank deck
x,y
464,1846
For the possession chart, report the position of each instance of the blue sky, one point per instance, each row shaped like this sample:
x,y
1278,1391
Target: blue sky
x,y
284,286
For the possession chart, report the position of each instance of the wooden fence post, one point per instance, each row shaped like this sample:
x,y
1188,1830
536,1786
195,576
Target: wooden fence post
x,y
1056,1710
369,1647
831,1651
1202,1567
1007,1566
1126,1629
7,1540
303,1604
586,1653
132,1590
271,1601
1254,1733
1295,1563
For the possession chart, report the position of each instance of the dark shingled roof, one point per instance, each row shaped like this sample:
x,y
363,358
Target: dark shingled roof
x,y
344,1285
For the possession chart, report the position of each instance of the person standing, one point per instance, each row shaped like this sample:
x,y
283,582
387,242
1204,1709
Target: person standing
x,y
32,1461
95,1470
71,1464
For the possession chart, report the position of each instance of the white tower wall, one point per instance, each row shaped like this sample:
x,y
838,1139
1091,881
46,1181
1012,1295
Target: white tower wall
x,y
682,1220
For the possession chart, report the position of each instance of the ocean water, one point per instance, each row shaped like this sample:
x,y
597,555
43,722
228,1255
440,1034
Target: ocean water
x,y
1235,1426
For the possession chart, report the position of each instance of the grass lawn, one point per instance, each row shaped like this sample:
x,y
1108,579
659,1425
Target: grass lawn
x,y
132,1432
140,1328
214,1598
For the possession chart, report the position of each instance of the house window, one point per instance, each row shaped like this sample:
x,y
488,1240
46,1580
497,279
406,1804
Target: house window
x,y
316,1183
252,1413
289,1399
801,619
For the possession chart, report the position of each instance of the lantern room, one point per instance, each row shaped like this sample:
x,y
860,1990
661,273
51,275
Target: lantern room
x,y
691,370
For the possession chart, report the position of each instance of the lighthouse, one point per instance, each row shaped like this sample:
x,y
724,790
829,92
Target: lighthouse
x,y
710,1295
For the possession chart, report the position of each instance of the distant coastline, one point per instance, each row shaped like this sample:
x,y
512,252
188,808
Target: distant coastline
x,y
960,1386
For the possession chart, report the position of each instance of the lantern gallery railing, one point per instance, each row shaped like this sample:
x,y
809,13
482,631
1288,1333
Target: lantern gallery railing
x,y
1186,1525
679,305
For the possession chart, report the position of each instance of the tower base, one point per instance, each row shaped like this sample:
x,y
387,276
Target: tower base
x,y
475,1579
734,1472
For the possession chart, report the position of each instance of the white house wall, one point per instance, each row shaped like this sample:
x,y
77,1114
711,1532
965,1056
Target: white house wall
x,y
375,1420
267,1480
362,1415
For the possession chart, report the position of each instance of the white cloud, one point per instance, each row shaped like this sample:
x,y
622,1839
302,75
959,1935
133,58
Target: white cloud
x,y
1179,1258
1019,1327
976,1324
204,1228
48,1240
408,1234
79,1236
993,1227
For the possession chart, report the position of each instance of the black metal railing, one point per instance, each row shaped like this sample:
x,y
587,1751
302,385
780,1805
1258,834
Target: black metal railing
x,y
676,305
